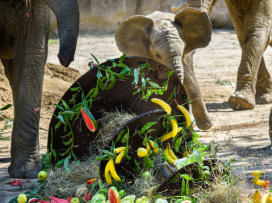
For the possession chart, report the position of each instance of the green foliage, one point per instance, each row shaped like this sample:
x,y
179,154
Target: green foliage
x,y
223,82
152,87
8,121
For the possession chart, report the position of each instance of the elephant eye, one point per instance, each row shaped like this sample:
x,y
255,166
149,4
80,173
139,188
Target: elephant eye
x,y
158,56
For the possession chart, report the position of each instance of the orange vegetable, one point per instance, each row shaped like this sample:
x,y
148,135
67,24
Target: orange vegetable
x,y
266,184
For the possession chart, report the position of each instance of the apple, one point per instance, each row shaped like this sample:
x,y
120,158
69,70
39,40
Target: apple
x,y
42,175
75,200
22,198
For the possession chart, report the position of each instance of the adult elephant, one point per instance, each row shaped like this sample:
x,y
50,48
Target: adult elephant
x,y
170,39
252,20
24,30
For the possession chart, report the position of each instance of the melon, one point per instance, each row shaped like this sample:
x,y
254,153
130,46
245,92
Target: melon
x,y
89,119
114,195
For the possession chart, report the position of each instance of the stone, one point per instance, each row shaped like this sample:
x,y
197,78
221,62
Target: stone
x,y
103,16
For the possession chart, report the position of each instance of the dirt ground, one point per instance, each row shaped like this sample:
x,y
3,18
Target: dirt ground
x,y
240,135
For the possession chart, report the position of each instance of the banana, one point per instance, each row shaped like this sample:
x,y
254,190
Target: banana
x,y
256,181
119,149
113,171
169,135
174,127
169,159
155,149
142,152
163,104
257,173
186,115
119,157
171,153
256,197
107,175
266,198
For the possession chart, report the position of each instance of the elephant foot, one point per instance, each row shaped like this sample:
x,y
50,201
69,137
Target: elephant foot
x,y
204,124
27,168
263,98
241,101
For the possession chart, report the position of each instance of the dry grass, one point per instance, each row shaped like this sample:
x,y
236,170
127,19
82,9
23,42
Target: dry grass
x,y
141,185
62,184
224,189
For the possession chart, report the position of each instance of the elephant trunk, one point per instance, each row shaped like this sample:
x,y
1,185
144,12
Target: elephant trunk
x,y
175,63
202,118
67,13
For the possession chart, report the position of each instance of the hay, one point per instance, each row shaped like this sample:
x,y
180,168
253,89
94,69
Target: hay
x,y
110,122
140,186
61,184
221,191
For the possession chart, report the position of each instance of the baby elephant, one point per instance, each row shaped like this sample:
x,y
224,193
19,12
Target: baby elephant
x,y
170,39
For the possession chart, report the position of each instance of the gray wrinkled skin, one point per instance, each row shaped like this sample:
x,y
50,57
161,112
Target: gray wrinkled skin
x,y
171,40
24,30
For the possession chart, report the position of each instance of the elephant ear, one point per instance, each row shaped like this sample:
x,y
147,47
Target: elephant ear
x,y
131,36
197,28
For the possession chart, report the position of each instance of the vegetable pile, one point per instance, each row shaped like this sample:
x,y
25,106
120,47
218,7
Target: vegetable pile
x,y
137,165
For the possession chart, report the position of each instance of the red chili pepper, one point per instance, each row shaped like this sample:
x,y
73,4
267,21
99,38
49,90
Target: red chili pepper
x,y
89,182
266,184
27,15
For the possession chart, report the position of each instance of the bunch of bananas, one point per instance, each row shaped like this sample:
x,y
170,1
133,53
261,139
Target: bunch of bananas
x,y
167,109
150,144
110,169
171,157
121,152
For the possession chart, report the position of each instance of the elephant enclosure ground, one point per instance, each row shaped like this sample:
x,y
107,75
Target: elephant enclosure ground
x,y
240,135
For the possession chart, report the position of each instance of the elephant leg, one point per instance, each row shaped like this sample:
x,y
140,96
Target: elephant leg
x,y
264,85
270,125
202,118
255,42
29,60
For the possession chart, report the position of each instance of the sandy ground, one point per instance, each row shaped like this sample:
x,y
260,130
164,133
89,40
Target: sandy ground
x,y
240,135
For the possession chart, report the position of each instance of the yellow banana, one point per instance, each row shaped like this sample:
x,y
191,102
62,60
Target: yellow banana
x,y
113,171
107,175
186,115
169,135
256,181
169,159
257,173
256,197
163,104
155,149
174,127
119,149
171,153
266,198
142,152
119,157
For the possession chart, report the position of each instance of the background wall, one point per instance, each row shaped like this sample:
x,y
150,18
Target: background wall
x,y
104,15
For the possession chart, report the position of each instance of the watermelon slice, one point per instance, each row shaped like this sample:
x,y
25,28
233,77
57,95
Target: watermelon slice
x,y
89,119
114,195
